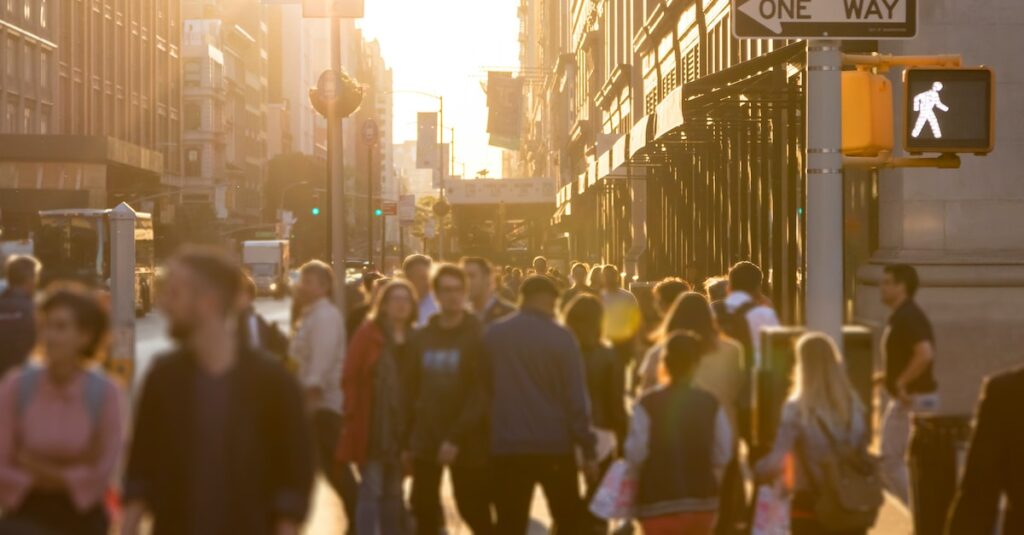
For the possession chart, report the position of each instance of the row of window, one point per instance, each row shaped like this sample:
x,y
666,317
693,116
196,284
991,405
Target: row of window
x,y
24,119
25,56
28,13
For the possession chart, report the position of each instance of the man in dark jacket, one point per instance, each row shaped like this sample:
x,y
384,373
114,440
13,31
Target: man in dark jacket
x,y
445,394
256,332
221,443
995,467
17,312
540,414
488,306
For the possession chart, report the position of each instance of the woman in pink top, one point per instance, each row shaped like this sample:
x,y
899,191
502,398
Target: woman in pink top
x,y
60,425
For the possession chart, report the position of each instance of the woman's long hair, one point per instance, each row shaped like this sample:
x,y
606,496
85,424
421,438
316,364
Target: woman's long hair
x,y
595,279
584,316
690,312
820,386
377,311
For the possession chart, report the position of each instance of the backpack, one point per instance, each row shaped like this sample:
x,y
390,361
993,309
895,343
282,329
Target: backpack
x,y
734,325
850,495
94,391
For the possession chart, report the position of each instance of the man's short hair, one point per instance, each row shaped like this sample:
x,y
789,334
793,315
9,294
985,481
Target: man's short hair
x,y
683,351
214,268
669,289
538,284
716,288
480,262
578,265
415,260
746,277
447,270
905,275
21,269
319,270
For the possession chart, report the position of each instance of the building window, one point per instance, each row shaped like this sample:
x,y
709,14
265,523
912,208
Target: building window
x,y
10,6
42,13
12,56
28,10
44,70
193,73
44,120
193,163
26,61
193,117
10,116
29,126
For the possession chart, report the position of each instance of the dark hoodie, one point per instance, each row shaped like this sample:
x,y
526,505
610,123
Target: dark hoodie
x,y
445,390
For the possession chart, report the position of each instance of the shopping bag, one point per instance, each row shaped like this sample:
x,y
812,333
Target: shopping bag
x,y
771,511
614,498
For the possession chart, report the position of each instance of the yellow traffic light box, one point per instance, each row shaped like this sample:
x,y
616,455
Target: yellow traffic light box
x,y
867,114
948,110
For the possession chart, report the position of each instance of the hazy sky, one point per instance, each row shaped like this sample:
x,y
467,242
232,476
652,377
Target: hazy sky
x,y
445,47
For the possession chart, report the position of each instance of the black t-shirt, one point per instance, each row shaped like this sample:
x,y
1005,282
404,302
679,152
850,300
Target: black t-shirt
x,y
908,326
209,478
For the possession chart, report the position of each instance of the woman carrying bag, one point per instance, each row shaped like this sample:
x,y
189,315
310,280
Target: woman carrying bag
x,y
823,426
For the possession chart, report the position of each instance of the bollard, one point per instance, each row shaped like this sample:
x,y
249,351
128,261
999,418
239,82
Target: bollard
x,y
936,453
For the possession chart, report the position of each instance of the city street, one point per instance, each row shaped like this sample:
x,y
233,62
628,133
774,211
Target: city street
x,y
326,517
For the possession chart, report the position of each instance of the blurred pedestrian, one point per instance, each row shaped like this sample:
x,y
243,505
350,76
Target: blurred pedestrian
x,y
375,408
17,312
318,348
994,466
578,274
665,294
716,288
483,300
416,270
540,266
908,346
539,412
359,308
256,332
60,424
823,413
622,316
447,412
606,387
595,279
679,443
221,440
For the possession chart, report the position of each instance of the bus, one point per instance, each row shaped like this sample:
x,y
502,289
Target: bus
x,y
75,244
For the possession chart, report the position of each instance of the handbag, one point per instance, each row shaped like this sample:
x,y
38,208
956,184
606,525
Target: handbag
x,y
850,495
771,511
616,495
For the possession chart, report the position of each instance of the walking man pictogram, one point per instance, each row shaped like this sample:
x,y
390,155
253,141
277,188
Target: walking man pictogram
x,y
925,103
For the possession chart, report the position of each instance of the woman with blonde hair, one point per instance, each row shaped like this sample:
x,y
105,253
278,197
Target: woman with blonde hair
x,y
822,412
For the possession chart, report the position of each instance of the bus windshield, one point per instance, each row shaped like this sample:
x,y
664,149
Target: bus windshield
x,y
74,247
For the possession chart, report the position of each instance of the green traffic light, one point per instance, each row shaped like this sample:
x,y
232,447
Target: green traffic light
x,y
378,212
316,211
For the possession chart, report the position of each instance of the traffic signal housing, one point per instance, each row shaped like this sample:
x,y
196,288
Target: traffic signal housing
x,y
867,114
315,210
949,110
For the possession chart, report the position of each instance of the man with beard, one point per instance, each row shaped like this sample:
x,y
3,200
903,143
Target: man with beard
x,y
221,443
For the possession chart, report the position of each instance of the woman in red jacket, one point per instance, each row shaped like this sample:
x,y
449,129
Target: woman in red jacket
x,y
374,420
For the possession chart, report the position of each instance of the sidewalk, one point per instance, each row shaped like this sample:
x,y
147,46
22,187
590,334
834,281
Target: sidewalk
x,y
327,518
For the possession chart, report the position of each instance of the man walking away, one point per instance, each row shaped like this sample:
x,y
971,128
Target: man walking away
x,y
622,315
448,414
416,270
578,274
540,413
484,300
318,349
994,464
17,312
221,444
909,348
256,332
679,443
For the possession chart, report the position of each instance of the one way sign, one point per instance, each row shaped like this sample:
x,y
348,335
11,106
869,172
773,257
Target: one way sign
x,y
825,19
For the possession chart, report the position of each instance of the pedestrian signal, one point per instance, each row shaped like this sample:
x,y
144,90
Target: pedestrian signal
x,y
948,110
867,114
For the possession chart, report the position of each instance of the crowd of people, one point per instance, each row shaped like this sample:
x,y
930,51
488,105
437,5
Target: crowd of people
x,y
505,379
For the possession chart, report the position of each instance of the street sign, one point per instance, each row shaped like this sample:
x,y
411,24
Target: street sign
x,y
825,19
326,9
407,209
389,208
948,110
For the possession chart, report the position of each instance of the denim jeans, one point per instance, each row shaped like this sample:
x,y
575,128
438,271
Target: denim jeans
x,y
896,437
379,510
326,428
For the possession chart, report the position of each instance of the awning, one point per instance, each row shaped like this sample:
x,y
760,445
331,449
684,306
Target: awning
x,y
639,136
669,113
612,159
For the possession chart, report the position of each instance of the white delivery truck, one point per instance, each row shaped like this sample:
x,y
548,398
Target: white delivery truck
x,y
267,262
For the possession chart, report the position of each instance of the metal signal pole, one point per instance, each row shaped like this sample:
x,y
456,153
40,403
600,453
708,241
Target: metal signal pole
x,y
336,183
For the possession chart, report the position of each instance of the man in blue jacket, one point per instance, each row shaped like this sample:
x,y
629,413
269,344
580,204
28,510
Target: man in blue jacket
x,y
540,414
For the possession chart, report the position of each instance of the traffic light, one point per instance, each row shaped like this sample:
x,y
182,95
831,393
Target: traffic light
x,y
378,212
948,110
315,210
867,114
